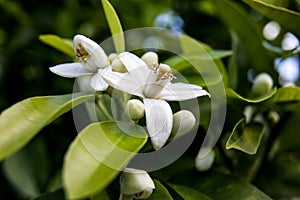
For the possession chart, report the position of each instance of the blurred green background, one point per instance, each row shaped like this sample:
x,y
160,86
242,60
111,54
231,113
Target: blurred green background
x,y
24,63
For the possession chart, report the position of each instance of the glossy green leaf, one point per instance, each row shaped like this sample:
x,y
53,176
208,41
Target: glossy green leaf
x,y
22,121
188,193
61,44
248,32
97,154
100,196
232,94
115,26
246,137
280,14
160,192
287,94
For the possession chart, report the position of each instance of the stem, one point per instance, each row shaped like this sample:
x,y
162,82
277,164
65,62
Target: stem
x,y
103,109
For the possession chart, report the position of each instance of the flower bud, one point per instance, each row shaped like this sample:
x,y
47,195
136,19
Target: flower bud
x,y
183,122
274,117
262,84
204,159
137,183
118,66
89,53
248,113
135,109
112,56
150,58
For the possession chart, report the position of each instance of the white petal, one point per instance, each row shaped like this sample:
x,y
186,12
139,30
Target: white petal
x,y
131,61
159,121
97,82
70,70
97,57
124,82
181,92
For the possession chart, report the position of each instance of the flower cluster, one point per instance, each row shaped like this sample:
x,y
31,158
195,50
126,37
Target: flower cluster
x,y
143,77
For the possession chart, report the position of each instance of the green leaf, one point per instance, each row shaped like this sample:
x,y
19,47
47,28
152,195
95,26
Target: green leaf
x,y
248,32
115,26
55,195
246,137
61,44
160,192
219,186
282,15
188,193
32,176
22,121
232,94
287,94
97,154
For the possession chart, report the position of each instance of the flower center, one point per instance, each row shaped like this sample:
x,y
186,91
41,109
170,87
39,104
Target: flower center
x,y
81,54
156,81
163,72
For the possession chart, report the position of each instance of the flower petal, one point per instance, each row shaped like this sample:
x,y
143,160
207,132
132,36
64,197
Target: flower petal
x,y
96,56
131,61
70,70
182,91
124,82
97,82
159,121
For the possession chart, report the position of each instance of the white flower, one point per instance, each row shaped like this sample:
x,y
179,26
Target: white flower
x,y
154,87
92,61
135,183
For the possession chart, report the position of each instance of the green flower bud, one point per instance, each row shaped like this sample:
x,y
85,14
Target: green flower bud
x,y
136,183
118,66
183,122
150,58
262,84
204,159
135,109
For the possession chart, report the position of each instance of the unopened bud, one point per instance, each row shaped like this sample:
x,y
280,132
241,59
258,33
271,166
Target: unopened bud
x,y
274,117
136,183
118,66
112,56
262,84
248,113
150,58
183,122
204,159
135,109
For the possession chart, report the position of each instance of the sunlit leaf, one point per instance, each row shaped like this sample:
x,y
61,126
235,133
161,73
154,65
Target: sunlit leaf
x,y
160,192
115,26
280,14
61,44
188,193
287,94
246,137
22,121
232,94
98,153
